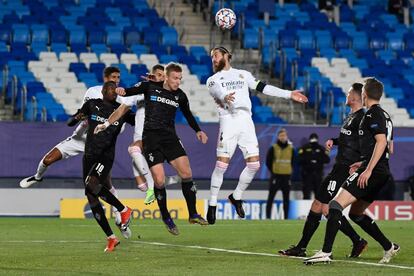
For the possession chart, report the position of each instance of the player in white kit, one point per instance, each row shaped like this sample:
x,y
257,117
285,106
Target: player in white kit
x,y
75,144
230,89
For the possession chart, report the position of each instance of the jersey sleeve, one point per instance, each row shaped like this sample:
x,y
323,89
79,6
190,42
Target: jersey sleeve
x,y
130,117
139,88
185,108
85,110
214,89
377,123
252,82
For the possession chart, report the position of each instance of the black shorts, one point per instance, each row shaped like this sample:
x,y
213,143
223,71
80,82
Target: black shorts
x,y
376,182
99,167
159,146
332,182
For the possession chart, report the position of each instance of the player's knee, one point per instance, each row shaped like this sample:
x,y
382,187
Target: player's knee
x,y
253,166
50,158
132,150
159,181
334,205
356,218
92,186
221,166
186,174
316,206
92,199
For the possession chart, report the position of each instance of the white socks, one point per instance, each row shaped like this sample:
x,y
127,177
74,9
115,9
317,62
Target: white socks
x,y
41,169
246,178
217,181
140,165
116,212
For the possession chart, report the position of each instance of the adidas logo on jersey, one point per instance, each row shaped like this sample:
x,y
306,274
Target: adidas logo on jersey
x,y
164,100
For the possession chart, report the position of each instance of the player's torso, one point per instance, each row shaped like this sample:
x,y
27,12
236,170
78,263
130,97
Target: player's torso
x,y
348,144
99,114
235,81
367,138
160,108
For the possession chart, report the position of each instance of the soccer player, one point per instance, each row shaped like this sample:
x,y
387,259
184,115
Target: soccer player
x,y
348,153
230,89
140,167
75,144
367,177
160,141
99,157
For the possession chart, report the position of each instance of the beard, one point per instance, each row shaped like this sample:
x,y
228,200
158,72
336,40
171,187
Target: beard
x,y
219,66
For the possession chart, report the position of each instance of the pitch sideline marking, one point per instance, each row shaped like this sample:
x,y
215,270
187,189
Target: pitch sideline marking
x,y
213,249
266,254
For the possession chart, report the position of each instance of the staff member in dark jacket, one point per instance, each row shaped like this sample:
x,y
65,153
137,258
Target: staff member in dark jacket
x,y
279,161
311,157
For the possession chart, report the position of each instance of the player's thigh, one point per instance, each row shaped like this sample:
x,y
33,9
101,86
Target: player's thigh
x,y
71,147
97,167
152,150
173,149
227,138
344,198
52,156
331,183
247,141
182,166
139,124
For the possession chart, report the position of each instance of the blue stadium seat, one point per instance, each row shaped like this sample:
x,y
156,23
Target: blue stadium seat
x,y
151,36
360,41
287,39
98,49
21,34
58,35
113,36
118,49
377,42
342,41
169,36
40,33
77,37
96,37
132,37
251,39
164,59
77,67
139,69
139,49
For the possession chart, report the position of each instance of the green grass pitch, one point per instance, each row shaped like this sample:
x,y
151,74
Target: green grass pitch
x,y
48,246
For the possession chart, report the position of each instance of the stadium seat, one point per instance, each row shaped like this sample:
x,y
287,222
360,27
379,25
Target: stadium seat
x,y
250,39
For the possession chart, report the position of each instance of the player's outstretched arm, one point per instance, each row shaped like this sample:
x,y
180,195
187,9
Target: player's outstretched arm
x,y
115,116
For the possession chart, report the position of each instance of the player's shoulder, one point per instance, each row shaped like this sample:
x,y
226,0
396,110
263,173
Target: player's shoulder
x,y
96,88
212,80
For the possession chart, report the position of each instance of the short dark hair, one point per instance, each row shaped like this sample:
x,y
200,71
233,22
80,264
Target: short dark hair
x,y
107,85
373,88
157,67
357,88
173,67
109,70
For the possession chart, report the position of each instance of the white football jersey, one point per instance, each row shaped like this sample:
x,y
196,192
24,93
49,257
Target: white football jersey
x,y
233,80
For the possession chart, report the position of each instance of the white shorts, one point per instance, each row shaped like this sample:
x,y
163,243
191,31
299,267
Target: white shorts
x,y
237,130
72,146
139,124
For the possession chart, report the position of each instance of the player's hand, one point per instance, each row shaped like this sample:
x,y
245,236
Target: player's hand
x,y
120,91
354,167
201,136
297,96
229,98
363,179
218,102
329,144
99,128
149,77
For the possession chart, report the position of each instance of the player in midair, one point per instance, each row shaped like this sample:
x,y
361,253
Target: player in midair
x,y
230,89
160,140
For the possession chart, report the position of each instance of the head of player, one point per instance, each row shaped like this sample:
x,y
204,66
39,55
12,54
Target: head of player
x,y
354,97
173,76
108,91
220,57
157,71
112,73
372,92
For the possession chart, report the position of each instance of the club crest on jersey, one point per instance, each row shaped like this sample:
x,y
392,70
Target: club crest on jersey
x,y
210,84
241,76
176,98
